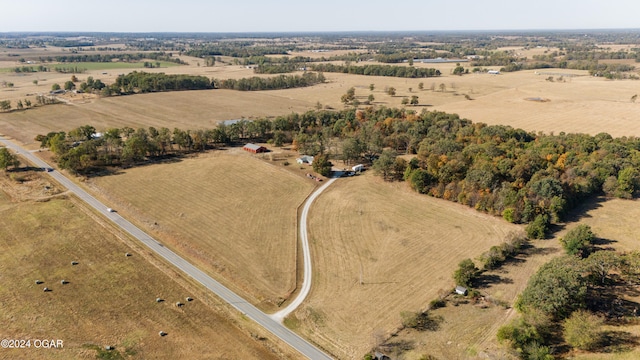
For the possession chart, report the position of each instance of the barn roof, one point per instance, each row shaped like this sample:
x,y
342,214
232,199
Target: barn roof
x,y
253,146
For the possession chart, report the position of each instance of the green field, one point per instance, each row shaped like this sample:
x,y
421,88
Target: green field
x,y
99,65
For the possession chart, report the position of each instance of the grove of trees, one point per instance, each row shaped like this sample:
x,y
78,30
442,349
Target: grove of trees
x,y
377,70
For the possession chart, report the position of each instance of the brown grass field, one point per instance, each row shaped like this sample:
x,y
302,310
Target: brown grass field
x,y
616,222
232,215
406,247
469,330
109,298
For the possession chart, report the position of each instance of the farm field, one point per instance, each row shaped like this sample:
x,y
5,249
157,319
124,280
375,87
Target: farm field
x,y
230,214
405,246
469,330
110,299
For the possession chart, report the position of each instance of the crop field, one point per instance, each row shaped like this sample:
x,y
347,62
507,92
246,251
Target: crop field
x,y
109,298
232,215
404,248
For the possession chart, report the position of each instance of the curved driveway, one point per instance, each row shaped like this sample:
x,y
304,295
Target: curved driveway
x,y
306,254
250,311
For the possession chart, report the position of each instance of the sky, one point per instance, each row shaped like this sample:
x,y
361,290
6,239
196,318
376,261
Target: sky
x,y
314,16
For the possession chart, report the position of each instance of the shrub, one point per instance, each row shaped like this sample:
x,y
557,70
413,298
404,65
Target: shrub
x,y
537,229
437,303
466,273
519,334
582,330
578,240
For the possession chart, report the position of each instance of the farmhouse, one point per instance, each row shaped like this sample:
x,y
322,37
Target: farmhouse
x,y
253,148
305,159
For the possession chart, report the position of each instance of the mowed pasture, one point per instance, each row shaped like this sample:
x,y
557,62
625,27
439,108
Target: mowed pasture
x,y
229,213
110,298
470,330
402,246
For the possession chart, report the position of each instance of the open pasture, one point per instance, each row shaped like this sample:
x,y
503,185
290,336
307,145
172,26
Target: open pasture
x,y
230,214
184,110
109,298
404,249
468,331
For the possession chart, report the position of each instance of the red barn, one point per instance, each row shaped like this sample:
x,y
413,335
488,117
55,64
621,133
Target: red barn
x,y
254,148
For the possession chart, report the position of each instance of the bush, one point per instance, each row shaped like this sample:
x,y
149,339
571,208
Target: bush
x,y
420,321
466,273
519,334
582,330
578,240
437,303
537,229
557,289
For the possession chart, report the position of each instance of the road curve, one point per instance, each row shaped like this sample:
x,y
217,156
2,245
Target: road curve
x,y
306,255
250,311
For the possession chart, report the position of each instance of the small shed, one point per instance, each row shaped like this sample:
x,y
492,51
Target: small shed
x,y
461,290
358,168
305,159
253,148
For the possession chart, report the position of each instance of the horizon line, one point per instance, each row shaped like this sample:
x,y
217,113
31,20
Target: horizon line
x,y
637,29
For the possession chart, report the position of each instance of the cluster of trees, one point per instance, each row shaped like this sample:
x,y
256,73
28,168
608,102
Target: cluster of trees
x,y
521,176
561,298
267,60
129,57
467,272
7,159
30,69
277,68
5,105
378,70
239,49
142,82
69,69
151,65
272,83
91,85
81,151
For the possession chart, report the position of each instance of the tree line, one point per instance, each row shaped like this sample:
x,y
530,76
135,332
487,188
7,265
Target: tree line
x,y
142,82
271,83
378,70
521,176
129,57
238,50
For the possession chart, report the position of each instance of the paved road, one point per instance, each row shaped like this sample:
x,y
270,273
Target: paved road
x,y
306,254
250,311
